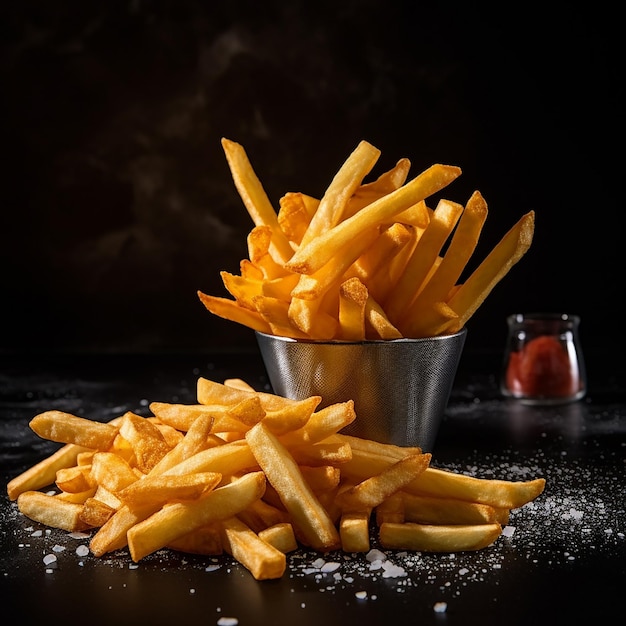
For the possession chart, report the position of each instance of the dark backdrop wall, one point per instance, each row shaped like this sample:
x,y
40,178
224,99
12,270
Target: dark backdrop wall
x,y
118,204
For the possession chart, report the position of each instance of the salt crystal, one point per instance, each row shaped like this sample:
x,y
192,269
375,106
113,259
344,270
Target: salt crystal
x,y
330,567
508,531
375,555
393,571
211,568
361,595
78,535
227,621
58,548
49,559
440,607
82,550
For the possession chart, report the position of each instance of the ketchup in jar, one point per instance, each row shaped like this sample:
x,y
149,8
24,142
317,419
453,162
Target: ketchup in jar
x,y
543,360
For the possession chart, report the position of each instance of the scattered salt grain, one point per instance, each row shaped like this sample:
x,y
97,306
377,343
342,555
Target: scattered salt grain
x,y
211,568
82,550
393,571
375,555
37,533
49,559
440,607
227,621
330,567
361,595
78,535
508,531
58,548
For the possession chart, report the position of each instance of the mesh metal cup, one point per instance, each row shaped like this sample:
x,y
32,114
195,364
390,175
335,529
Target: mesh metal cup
x,y
400,387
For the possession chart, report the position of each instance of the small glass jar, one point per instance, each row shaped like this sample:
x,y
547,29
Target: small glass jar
x,y
543,360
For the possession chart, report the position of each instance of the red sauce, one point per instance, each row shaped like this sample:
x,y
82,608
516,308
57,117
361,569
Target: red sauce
x,y
542,368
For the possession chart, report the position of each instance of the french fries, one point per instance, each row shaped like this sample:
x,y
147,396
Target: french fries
x,y
286,477
367,260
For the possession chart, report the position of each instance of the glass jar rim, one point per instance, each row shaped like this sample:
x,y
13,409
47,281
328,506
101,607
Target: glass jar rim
x,y
518,318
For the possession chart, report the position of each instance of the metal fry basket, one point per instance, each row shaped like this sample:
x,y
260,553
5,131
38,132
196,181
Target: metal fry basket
x,y
400,387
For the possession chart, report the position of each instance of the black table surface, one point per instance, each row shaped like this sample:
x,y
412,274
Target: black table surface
x,y
564,560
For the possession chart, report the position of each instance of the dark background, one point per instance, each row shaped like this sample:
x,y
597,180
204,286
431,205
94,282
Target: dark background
x,y
118,204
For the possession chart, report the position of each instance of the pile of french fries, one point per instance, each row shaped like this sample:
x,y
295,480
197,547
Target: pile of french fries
x,y
256,476
366,261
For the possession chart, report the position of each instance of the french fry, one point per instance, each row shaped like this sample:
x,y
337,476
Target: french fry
x,y
354,531
446,511
106,497
433,538
146,440
66,428
306,315
329,276
276,313
428,247
178,519
342,187
243,289
168,488
233,311
492,270
111,471
374,490
75,479
284,475
51,511
386,183
291,417
112,535
239,383
377,324
79,497
458,254
262,559
281,536
322,424
96,513
353,297
319,251
214,393
254,197
496,493
295,213
197,437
